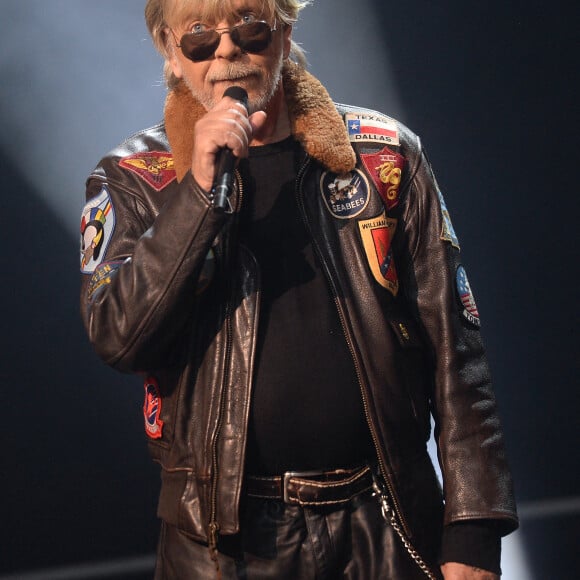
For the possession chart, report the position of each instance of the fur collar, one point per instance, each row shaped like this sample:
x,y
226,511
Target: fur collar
x,y
314,120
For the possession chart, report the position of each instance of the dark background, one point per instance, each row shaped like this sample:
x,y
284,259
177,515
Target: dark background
x,y
491,89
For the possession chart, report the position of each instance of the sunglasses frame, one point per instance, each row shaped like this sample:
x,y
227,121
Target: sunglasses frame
x,y
233,31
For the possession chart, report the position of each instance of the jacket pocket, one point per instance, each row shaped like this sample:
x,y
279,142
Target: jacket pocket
x,y
412,369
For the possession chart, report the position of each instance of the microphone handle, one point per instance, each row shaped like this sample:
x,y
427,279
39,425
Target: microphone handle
x,y
226,164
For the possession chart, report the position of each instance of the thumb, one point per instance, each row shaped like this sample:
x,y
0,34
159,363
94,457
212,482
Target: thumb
x,y
257,121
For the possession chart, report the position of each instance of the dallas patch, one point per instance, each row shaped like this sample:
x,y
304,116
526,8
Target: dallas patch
x,y
154,167
447,232
345,195
152,409
97,225
470,312
385,168
367,127
376,235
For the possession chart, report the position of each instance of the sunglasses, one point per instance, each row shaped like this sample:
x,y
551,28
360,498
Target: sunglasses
x,y
252,37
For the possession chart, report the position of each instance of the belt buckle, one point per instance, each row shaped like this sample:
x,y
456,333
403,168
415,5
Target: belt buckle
x,y
288,475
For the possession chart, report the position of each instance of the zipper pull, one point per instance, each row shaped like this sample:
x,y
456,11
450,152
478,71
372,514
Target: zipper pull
x,y
212,544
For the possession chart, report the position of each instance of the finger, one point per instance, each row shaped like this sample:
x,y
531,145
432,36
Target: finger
x,y
257,121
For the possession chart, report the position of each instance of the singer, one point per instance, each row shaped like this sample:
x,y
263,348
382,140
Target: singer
x,y
284,274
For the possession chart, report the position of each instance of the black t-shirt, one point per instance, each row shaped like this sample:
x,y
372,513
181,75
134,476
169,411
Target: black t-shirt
x,y
307,410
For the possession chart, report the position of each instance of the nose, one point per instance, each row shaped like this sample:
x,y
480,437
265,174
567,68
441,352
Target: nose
x,y
227,48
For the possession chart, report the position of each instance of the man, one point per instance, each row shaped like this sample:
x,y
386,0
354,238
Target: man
x,y
294,335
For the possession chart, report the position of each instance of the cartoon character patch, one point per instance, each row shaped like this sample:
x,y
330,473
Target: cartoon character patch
x,y
385,168
469,312
371,128
447,231
154,167
97,225
152,409
376,234
345,195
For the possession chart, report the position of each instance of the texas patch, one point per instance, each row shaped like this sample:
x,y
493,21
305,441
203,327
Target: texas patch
x,y
385,169
466,298
97,225
447,232
376,235
367,127
152,409
345,195
154,167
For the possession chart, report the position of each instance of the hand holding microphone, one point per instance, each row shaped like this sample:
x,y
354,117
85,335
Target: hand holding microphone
x,y
222,137
226,161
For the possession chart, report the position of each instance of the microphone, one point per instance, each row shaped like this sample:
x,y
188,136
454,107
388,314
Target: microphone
x,y
226,162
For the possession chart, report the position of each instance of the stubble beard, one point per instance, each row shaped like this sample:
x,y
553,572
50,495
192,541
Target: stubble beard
x,y
267,81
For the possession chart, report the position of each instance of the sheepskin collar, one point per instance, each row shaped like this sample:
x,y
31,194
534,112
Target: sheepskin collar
x,y
314,121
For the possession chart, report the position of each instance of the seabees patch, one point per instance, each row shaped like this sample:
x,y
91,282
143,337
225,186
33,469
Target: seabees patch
x,y
376,235
466,298
346,195
371,128
385,169
154,167
152,409
97,225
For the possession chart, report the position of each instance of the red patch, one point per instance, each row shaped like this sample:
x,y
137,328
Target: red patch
x,y
155,167
385,168
152,409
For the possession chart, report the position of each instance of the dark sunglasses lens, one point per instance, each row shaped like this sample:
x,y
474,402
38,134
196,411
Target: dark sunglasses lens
x,y
198,47
253,37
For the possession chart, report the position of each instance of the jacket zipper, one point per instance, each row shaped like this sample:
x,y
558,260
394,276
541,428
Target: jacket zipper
x,y
349,341
214,527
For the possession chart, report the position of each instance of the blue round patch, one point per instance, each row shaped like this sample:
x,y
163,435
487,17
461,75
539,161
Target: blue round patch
x,y
345,195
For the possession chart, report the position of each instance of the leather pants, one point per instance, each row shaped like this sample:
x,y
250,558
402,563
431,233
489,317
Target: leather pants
x,y
279,541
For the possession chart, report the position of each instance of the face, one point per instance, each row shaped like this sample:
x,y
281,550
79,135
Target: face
x,y
259,74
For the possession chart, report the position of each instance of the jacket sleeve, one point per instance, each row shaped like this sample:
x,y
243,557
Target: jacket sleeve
x,y
476,478
142,291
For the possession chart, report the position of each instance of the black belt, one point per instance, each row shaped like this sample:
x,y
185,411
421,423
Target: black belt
x,y
312,487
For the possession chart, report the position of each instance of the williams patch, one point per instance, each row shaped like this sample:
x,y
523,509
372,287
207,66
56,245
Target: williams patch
x,y
371,128
376,235
385,169
155,167
447,232
97,225
152,409
466,298
345,195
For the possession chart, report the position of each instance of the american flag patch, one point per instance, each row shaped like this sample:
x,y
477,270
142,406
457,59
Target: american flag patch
x,y
470,312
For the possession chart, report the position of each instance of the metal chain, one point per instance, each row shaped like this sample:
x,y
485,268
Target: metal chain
x,y
391,518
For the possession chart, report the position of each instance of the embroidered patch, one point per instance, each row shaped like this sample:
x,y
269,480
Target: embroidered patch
x,y
376,235
152,409
345,195
155,167
470,312
385,168
97,225
102,275
374,128
447,231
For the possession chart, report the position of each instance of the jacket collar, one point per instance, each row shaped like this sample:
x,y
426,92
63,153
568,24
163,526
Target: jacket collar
x,y
314,121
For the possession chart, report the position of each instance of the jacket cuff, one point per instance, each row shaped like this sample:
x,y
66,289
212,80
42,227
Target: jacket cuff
x,y
475,543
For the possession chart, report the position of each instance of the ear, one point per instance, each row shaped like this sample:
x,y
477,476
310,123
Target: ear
x,y
287,34
172,58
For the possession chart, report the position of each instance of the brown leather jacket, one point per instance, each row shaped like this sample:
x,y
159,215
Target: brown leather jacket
x,y
168,292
